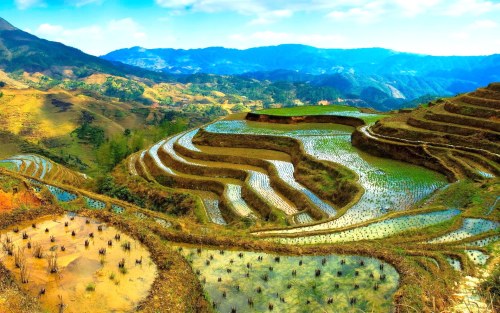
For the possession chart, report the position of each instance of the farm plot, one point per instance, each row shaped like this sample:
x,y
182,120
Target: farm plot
x,y
153,152
255,128
168,147
484,242
78,263
41,168
117,209
212,207
470,227
477,257
285,172
262,185
303,218
61,194
377,230
233,194
258,181
237,281
11,164
339,110
29,160
27,165
94,204
187,140
455,263
233,191
389,185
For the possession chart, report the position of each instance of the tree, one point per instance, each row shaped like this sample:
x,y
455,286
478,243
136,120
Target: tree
x,y
86,117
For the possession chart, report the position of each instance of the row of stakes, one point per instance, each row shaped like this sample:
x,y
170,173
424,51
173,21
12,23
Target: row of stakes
x,y
20,261
352,300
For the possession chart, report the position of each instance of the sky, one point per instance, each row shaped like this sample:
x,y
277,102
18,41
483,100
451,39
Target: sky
x,y
436,27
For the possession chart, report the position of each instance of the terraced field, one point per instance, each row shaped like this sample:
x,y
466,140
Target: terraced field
x,y
260,282
460,135
388,185
42,168
328,209
390,199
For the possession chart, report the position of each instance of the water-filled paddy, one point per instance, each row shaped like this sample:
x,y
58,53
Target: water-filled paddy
x,y
389,185
377,230
477,257
61,195
88,280
285,172
255,282
470,227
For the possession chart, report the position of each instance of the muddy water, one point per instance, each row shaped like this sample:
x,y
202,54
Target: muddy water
x,y
86,281
293,283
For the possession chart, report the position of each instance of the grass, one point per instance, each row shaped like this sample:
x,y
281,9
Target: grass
x,y
342,110
9,166
308,110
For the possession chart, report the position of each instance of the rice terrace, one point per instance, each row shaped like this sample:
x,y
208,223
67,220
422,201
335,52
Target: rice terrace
x,y
285,178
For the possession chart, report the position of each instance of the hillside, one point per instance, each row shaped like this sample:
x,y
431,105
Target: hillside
x,y
326,177
378,77
457,136
21,51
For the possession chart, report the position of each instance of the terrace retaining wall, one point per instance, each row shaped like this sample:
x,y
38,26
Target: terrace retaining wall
x,y
414,154
336,119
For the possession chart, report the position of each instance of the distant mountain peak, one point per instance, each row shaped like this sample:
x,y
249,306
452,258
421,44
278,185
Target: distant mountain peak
x,y
4,25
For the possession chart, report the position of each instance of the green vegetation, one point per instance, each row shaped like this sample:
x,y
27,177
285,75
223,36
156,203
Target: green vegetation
x,y
357,231
125,90
341,110
90,287
89,133
309,110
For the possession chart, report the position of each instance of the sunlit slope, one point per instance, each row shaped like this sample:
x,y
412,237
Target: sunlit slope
x,y
458,136
49,118
40,167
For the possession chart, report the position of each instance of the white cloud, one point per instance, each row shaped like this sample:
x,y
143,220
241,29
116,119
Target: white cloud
x,y
266,38
26,4
240,6
95,39
271,17
339,9
367,13
81,3
413,8
484,24
471,7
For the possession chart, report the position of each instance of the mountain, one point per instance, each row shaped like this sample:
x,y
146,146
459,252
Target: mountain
x,y
299,58
379,77
21,51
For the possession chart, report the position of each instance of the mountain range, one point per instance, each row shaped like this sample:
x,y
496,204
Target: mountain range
x,y
22,51
374,75
283,75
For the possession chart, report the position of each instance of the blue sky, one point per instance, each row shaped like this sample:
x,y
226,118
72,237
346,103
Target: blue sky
x,y
437,27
